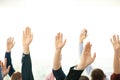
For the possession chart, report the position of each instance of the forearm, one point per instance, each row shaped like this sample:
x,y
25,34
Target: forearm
x,y
27,67
74,74
57,60
26,49
9,63
1,77
116,63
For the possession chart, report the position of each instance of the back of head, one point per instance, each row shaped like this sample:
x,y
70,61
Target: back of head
x,y
83,78
16,76
97,74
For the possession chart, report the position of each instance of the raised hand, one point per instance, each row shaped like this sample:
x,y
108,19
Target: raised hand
x,y
83,35
27,39
116,45
116,42
86,58
59,43
5,70
10,44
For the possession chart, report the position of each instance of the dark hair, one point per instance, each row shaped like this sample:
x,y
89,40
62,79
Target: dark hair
x,y
83,78
97,74
16,76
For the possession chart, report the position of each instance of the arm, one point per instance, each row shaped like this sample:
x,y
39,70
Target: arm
x,y
85,60
1,78
3,69
10,45
57,70
26,60
116,62
83,36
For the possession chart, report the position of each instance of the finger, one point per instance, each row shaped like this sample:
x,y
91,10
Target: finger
x,y
27,30
94,56
31,37
23,33
8,69
118,38
61,37
114,38
57,36
5,62
111,41
64,42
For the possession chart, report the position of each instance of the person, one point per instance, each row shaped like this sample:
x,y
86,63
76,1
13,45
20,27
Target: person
x,y
116,62
75,71
98,74
26,71
83,36
3,69
83,77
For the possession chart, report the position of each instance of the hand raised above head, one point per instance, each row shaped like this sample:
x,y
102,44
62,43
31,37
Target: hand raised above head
x,y
27,39
59,43
86,58
115,42
10,43
83,35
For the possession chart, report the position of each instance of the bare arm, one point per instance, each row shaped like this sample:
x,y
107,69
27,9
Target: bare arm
x,y
116,62
59,44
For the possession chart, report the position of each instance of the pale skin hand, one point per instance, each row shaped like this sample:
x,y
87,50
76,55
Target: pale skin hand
x,y
116,42
83,35
5,70
27,39
59,44
86,58
10,44
116,45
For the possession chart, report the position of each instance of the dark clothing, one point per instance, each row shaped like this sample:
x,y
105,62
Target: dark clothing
x,y
72,75
115,76
1,78
9,62
27,68
59,74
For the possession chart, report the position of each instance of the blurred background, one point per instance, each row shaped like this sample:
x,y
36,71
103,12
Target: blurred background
x,y
47,17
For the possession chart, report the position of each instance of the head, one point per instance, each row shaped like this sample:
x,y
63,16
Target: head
x,y
83,78
97,74
16,76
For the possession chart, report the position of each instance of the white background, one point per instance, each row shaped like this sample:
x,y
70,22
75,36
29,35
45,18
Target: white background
x,y
47,17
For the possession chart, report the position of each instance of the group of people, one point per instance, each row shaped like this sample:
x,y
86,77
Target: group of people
x,y
86,59
75,72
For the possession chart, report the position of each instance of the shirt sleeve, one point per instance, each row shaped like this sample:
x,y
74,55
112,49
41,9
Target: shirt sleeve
x,y
74,74
59,74
9,62
1,78
80,48
27,67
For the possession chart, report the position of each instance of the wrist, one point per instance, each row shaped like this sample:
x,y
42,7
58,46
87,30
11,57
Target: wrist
x,y
79,67
26,50
81,41
8,50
